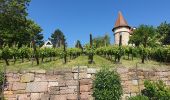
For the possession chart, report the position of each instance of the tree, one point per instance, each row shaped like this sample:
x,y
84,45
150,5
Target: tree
x,y
78,44
164,32
143,35
57,38
35,37
13,15
34,31
101,41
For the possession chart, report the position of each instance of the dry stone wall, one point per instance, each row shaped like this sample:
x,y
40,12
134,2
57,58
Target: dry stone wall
x,y
63,84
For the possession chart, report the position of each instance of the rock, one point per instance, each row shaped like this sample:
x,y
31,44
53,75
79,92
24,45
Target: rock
x,y
18,86
91,70
50,84
68,76
81,75
35,96
14,78
85,81
72,97
135,82
40,78
28,77
89,76
62,83
23,97
45,97
40,71
122,70
8,92
84,88
71,82
67,91
37,87
81,69
58,97
54,90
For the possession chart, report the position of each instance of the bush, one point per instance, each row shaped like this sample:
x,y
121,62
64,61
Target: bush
x,y
156,90
107,85
139,97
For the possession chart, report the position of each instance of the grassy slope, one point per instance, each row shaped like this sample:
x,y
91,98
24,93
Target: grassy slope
x,y
82,61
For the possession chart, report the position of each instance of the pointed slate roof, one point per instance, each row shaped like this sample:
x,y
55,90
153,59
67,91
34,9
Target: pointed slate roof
x,y
120,21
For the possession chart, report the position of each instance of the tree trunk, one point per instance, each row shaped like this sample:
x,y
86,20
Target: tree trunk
x,y
6,61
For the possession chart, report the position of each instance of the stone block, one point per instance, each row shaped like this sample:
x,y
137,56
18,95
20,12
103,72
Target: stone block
x,y
51,78
81,69
28,77
89,76
68,76
40,78
19,91
50,72
85,81
85,88
91,70
8,92
67,91
40,71
62,83
35,96
45,97
58,97
72,97
122,70
54,90
81,75
50,84
23,97
134,82
134,89
37,87
18,86
14,78
71,82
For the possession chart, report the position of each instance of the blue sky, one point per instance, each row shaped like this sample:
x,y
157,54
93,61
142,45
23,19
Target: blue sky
x,y
78,18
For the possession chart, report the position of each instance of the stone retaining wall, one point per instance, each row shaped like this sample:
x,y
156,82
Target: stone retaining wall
x,y
63,84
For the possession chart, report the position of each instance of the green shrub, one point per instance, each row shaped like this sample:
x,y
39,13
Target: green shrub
x,y
107,85
139,97
156,90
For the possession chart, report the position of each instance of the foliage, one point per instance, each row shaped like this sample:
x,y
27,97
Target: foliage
x,y
139,97
12,14
161,54
78,44
143,35
107,85
101,41
57,38
26,52
156,90
164,33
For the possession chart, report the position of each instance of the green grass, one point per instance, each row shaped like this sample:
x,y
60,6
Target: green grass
x,y
82,61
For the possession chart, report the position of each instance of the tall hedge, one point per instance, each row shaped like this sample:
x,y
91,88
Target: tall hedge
x,y
107,85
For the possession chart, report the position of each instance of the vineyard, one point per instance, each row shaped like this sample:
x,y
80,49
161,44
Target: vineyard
x,y
111,54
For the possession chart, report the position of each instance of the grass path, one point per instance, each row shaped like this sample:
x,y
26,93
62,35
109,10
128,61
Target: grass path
x,y
83,61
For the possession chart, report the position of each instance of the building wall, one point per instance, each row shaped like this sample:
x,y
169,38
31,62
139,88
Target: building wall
x,y
125,35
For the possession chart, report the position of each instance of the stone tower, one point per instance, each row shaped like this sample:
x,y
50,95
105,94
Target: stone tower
x,y
121,29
